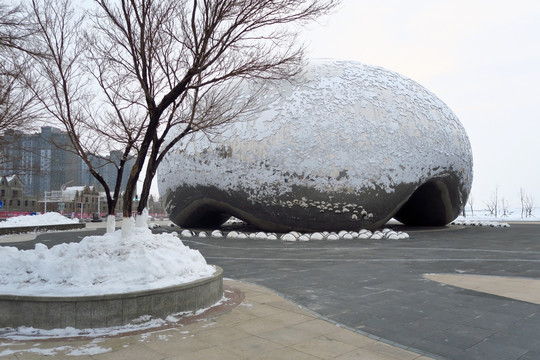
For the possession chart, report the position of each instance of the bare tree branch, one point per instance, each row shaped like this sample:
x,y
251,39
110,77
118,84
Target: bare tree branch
x,y
60,80
493,203
16,103
177,53
165,69
527,204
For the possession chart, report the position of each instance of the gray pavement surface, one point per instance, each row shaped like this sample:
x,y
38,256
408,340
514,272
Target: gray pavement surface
x,y
377,286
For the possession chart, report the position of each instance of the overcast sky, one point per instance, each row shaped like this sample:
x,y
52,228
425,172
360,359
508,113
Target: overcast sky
x,y
482,58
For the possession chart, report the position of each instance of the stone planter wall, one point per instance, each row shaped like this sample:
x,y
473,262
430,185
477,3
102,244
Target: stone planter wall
x,y
26,229
109,310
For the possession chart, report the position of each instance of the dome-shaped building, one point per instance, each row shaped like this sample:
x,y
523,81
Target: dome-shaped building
x,y
344,146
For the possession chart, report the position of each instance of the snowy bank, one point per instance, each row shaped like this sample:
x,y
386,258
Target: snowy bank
x,y
99,265
50,218
485,218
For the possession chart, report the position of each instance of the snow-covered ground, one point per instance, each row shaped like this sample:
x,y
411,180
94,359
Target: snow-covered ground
x,y
101,265
513,214
114,264
485,218
50,218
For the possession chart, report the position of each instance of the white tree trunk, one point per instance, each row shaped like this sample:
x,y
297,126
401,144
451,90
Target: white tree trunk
x,y
142,220
111,223
128,225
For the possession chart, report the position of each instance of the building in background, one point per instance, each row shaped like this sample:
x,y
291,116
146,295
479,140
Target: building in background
x,y
85,202
13,202
41,160
76,202
44,163
106,166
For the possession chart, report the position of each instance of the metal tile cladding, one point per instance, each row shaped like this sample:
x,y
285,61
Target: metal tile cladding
x,y
343,146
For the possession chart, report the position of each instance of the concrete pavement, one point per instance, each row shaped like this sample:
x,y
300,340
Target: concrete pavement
x,y
523,289
262,326
450,293
379,288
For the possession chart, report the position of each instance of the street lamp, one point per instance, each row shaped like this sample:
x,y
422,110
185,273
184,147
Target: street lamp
x,y
63,187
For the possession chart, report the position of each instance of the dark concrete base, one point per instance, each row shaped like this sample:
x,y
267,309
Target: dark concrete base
x,y
109,310
26,229
435,202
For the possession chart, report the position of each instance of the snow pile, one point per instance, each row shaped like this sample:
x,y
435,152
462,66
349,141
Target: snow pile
x,y
90,349
101,265
470,222
293,236
484,218
186,233
50,218
233,221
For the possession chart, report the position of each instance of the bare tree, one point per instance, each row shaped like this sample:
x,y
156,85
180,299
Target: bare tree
x,y
65,90
14,27
166,68
470,201
183,59
522,201
493,203
527,204
15,102
504,207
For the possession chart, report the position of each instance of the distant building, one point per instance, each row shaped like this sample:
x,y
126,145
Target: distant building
x,y
80,202
44,163
106,166
75,201
12,198
41,160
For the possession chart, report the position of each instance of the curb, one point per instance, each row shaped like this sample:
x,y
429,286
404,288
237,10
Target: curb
x,y
41,228
97,311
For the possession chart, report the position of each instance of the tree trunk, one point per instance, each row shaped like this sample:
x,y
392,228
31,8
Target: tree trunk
x,y
151,130
128,194
128,223
111,223
147,184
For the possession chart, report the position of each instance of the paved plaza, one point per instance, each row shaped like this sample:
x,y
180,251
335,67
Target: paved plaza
x,y
262,326
459,292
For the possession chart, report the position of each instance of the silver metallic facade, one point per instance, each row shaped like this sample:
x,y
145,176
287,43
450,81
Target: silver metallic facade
x,y
345,146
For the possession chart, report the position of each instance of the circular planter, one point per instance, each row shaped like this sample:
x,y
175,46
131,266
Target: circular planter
x,y
98,311
39,228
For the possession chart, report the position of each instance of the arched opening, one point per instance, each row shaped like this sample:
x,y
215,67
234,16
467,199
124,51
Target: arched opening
x,y
204,216
430,205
